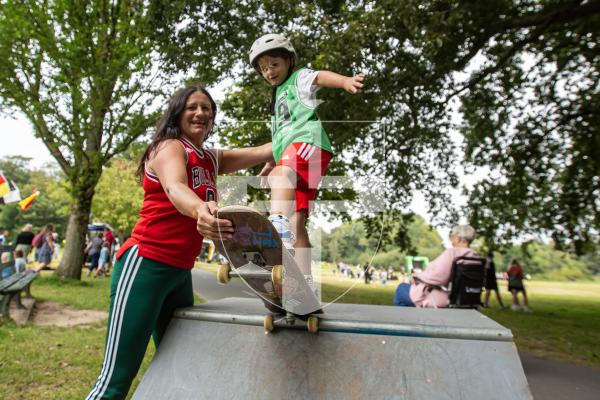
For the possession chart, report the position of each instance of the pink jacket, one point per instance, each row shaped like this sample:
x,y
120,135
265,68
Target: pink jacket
x,y
437,273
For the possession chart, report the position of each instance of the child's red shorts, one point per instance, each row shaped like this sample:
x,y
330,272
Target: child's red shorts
x,y
309,162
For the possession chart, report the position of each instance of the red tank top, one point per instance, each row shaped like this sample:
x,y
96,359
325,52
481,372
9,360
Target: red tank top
x,y
163,233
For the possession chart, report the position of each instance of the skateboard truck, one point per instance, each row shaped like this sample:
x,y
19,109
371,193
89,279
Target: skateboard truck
x,y
250,271
312,322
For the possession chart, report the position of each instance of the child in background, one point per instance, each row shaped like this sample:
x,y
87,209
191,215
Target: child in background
x,y
103,260
20,261
301,148
8,270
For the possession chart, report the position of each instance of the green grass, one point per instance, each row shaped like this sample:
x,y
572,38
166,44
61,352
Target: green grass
x,y
63,363
53,362
565,324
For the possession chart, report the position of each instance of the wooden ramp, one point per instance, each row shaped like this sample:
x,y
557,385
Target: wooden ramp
x,y
219,350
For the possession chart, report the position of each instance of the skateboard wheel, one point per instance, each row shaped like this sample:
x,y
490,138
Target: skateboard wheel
x,y
312,323
268,323
277,275
223,273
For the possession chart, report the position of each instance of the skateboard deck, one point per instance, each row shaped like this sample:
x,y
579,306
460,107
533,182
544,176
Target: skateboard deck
x,y
256,254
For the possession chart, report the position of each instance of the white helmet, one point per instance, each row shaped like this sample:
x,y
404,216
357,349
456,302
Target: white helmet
x,y
271,41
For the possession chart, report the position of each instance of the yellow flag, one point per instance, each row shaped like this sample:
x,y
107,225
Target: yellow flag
x,y
28,201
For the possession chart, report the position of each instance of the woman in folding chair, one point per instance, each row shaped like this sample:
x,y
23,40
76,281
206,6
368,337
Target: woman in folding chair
x,y
426,289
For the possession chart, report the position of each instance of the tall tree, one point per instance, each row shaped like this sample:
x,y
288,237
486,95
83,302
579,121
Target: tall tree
x,y
523,75
531,110
118,197
92,76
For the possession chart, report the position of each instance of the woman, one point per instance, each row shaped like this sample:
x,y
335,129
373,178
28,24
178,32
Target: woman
x,y
423,292
152,275
44,254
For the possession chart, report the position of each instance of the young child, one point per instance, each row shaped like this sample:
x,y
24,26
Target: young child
x,y
20,262
103,260
8,270
301,148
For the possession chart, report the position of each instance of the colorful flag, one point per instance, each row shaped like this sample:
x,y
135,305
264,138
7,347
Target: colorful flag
x,y
13,195
28,201
4,188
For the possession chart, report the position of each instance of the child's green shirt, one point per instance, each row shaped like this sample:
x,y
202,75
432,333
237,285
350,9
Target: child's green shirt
x,y
295,119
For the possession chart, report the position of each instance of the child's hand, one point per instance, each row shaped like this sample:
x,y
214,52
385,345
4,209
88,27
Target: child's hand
x,y
264,173
354,84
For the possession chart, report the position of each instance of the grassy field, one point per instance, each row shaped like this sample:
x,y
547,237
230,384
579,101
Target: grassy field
x,y
62,363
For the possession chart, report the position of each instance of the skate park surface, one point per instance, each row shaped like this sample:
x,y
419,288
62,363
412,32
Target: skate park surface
x,y
547,379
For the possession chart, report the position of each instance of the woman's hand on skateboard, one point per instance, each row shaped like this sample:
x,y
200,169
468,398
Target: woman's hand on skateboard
x,y
211,227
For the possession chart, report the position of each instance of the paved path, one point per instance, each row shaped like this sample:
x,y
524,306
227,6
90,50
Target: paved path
x,y
548,379
206,286
555,380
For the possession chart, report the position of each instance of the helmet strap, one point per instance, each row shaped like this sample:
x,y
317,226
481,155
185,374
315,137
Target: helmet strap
x,y
273,98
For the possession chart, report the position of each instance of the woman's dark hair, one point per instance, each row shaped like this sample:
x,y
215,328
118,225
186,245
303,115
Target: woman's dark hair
x,y
48,228
168,124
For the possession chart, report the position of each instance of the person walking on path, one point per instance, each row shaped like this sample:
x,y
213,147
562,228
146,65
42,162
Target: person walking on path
x,y
151,277
515,285
490,281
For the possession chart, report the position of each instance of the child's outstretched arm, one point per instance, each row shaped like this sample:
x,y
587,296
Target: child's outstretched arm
x,y
351,84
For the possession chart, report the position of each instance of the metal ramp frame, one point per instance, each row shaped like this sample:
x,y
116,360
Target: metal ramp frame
x,y
219,350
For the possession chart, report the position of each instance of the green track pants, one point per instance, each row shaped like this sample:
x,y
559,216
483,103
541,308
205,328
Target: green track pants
x,y
143,295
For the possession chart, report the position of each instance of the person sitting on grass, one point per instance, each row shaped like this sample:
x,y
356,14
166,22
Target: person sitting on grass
x,y
425,288
515,285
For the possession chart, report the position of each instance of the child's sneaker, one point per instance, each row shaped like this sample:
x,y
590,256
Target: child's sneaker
x,y
527,309
514,307
282,226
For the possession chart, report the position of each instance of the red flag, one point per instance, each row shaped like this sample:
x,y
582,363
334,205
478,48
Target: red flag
x,y
28,201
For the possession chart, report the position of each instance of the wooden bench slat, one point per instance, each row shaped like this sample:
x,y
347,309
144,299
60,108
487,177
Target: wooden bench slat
x,y
12,286
20,284
11,280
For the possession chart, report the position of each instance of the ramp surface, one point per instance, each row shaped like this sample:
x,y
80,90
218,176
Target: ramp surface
x,y
201,358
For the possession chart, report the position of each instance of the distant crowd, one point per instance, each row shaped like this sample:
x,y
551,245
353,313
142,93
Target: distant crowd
x,y
37,251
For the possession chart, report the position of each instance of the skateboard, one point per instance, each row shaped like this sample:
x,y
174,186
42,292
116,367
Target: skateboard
x,y
257,255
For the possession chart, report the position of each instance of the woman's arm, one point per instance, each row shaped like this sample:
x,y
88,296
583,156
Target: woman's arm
x,y
236,159
169,164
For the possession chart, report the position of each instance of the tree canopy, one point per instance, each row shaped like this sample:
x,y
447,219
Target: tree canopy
x,y
93,76
518,80
519,77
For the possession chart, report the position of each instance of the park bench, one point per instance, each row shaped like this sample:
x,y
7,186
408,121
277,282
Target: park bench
x,y
12,286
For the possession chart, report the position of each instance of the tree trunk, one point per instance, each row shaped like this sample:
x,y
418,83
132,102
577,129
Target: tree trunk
x,y
72,259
